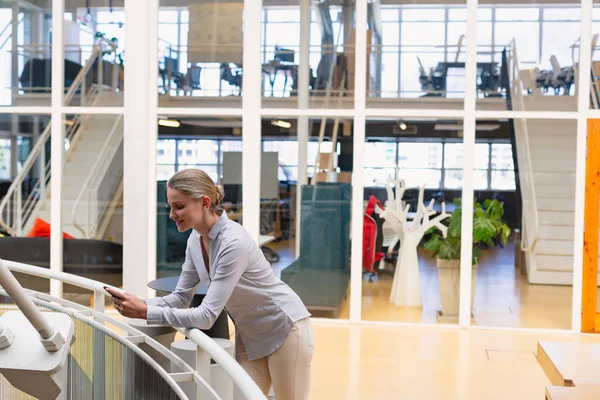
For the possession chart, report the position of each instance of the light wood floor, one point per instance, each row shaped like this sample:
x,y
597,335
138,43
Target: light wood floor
x,y
413,363
503,297
375,362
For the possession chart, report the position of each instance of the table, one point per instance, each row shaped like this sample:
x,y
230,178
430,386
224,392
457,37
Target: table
x,y
220,329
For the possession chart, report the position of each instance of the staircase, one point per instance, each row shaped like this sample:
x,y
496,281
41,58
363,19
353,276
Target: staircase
x,y
92,178
552,144
546,156
92,171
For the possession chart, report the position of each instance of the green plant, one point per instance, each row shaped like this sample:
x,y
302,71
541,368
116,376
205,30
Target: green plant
x,y
489,229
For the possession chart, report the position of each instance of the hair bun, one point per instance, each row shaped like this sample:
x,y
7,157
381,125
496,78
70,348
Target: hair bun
x,y
220,193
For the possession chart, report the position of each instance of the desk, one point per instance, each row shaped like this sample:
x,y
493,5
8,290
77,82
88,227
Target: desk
x,y
167,285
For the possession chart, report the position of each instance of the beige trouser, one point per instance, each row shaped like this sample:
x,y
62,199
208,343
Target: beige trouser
x,y
288,368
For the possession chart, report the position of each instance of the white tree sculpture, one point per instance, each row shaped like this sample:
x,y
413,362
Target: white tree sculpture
x,y
406,286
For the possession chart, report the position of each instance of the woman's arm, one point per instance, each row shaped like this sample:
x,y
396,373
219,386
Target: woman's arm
x,y
184,292
231,264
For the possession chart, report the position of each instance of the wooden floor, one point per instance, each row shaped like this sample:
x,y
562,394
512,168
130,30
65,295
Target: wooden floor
x,y
503,297
376,362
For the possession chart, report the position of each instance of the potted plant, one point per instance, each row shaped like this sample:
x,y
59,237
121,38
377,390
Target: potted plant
x,y
489,230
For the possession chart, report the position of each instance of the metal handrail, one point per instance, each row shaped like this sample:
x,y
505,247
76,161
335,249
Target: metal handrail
x,y
517,91
238,375
107,153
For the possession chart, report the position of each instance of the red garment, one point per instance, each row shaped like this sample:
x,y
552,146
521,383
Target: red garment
x,y
370,253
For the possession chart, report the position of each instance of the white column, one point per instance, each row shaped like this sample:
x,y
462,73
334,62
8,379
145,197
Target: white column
x,y
14,120
14,57
583,106
360,92
251,119
466,250
139,194
57,146
303,103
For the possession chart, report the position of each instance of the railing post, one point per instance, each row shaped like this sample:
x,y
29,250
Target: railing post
x,y
83,93
100,81
19,212
99,302
203,368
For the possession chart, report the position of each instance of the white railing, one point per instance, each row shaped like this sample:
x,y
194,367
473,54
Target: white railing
x,y
15,211
7,31
595,84
95,208
134,337
530,217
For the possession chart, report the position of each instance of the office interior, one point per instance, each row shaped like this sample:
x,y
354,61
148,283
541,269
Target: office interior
x,y
412,158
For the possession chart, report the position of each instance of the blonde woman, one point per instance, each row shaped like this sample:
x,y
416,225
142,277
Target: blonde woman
x,y
274,337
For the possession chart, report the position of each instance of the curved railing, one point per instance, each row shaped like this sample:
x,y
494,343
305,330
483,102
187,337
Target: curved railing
x,y
240,378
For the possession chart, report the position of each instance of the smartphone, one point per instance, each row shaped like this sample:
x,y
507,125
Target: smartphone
x,y
112,295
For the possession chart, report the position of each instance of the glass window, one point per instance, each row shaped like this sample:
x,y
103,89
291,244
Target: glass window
x,y
5,159
211,170
391,36
453,179
460,14
380,154
231,145
503,180
389,14
422,33
110,17
526,35
417,177
423,14
377,176
502,157
287,151
557,38
169,16
168,33
198,151
165,151
389,74
518,14
164,172
562,14
291,14
419,155
454,156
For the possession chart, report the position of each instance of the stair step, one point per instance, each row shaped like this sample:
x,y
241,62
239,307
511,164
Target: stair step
x,y
554,247
548,178
563,218
550,204
555,191
556,232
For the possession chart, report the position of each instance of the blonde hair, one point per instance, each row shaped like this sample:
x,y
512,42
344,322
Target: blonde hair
x,y
197,183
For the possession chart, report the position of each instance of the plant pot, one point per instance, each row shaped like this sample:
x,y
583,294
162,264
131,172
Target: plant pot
x,y
449,281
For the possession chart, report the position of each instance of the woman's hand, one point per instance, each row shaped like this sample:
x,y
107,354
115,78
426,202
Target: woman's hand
x,y
127,304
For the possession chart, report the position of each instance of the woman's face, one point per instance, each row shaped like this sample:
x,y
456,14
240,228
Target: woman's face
x,y
185,211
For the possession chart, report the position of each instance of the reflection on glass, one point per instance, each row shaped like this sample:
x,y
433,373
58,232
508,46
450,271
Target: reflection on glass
x,y
420,155
431,178
453,179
